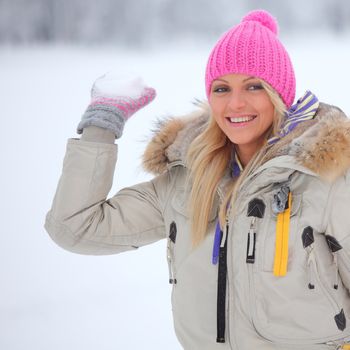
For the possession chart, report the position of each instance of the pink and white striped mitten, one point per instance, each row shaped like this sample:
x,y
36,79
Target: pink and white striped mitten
x,y
114,99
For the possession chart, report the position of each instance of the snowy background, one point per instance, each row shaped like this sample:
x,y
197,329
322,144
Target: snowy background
x,y
53,299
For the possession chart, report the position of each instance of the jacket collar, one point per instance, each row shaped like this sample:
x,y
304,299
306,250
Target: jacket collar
x,y
320,146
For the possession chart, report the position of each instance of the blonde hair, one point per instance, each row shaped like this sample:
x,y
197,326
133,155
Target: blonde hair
x,y
209,158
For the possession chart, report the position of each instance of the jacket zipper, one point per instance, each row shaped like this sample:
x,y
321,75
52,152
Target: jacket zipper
x,y
229,263
222,286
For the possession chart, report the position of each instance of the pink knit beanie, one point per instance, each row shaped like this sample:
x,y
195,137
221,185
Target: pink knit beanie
x,y
252,48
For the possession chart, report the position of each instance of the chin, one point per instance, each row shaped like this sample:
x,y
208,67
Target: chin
x,y
239,141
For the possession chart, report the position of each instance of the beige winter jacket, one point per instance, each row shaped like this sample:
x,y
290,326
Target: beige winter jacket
x,y
263,311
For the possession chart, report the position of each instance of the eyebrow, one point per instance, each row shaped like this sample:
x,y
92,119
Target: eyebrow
x,y
244,80
250,78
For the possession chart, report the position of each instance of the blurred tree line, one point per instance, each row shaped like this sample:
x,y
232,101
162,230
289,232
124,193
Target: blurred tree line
x,y
144,22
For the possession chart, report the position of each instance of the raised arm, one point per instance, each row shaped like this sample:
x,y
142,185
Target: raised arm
x,y
82,219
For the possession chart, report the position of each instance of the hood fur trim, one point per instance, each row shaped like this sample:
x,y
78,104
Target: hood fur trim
x,y
321,144
324,148
172,139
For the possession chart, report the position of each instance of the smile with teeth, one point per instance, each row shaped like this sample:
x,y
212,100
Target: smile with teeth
x,y
242,119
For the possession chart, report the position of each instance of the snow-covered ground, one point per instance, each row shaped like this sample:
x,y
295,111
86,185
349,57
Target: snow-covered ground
x,y
53,299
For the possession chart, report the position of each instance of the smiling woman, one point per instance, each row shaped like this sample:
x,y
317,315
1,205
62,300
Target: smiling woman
x,y
244,112
251,193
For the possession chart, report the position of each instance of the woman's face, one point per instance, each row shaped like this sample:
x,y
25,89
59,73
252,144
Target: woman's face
x,y
243,110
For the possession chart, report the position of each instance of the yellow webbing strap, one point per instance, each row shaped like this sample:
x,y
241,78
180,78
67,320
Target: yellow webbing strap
x,y
282,239
346,347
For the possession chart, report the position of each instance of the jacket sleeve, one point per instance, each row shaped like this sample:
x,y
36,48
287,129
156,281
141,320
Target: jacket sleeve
x,y
338,226
81,220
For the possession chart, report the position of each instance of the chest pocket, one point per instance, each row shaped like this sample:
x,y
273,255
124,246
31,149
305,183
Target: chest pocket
x,y
278,238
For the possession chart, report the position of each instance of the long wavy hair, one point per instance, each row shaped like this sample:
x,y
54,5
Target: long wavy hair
x,y
209,158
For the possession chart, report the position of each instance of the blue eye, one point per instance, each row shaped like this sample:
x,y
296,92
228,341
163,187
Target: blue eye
x,y
255,87
220,89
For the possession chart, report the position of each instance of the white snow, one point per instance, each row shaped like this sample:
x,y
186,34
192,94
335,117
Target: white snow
x,y
53,299
119,84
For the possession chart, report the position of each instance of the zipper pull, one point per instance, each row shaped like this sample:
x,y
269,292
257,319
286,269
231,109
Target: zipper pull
x,y
308,244
251,243
172,279
171,241
334,247
310,260
335,261
224,235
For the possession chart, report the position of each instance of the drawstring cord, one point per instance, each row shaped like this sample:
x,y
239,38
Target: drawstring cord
x,y
310,260
334,247
172,279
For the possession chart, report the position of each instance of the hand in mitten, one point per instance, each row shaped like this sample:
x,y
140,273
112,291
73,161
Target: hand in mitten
x,y
113,101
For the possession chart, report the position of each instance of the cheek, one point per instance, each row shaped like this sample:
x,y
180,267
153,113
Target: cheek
x,y
271,115
216,104
219,120
268,111
217,109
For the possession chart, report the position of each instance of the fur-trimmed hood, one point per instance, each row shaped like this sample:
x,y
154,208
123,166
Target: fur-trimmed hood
x,y
322,144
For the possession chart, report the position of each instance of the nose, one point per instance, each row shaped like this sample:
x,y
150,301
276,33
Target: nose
x,y
237,100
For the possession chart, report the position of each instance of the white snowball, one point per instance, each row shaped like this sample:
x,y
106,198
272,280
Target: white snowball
x,y
113,84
